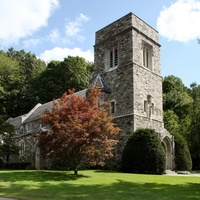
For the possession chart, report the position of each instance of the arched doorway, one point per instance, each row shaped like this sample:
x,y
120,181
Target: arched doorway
x,y
166,144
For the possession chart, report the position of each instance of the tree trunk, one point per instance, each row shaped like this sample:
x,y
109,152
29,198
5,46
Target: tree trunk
x,y
76,171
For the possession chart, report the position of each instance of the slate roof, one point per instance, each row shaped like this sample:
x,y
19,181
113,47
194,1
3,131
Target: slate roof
x,y
38,112
48,106
16,122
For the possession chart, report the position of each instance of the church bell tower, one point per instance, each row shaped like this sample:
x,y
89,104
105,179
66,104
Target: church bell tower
x,y
127,57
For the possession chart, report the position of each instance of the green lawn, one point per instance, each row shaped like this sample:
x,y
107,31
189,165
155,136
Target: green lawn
x,y
94,185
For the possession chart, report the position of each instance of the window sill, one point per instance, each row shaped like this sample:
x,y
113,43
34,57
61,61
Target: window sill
x,y
112,68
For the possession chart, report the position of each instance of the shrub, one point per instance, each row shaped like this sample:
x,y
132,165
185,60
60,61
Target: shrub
x,y
143,153
183,159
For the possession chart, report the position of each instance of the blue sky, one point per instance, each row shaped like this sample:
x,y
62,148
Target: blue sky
x,y
54,29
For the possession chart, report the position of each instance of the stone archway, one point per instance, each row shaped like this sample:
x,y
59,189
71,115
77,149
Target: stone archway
x,y
167,146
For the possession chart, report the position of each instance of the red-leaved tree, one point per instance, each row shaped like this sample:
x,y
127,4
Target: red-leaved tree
x,y
79,130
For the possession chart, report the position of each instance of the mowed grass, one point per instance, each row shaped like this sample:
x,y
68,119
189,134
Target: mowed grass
x,y
96,185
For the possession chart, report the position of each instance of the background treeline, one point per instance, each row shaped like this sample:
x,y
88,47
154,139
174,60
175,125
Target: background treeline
x,y
181,107
26,80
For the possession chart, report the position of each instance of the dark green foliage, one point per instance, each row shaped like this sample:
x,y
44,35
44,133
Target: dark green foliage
x,y
194,137
17,70
18,165
7,144
182,153
183,159
175,96
143,153
1,163
181,108
60,76
172,84
25,80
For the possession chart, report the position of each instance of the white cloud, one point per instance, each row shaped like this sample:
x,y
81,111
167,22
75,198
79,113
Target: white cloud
x,y
32,42
54,35
21,18
58,53
180,21
73,28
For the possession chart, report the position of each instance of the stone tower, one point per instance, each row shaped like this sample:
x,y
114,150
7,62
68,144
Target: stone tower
x,y
127,57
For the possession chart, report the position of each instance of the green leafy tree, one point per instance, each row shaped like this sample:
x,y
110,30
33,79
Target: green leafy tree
x,y
194,137
172,84
183,159
10,82
144,153
177,104
59,76
17,70
21,99
7,144
79,131
30,65
171,121
176,97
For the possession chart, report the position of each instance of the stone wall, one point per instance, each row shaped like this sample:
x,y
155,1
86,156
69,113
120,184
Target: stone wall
x,y
130,81
30,145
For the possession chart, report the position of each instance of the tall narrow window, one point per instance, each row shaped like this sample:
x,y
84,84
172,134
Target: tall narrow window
x,y
28,127
113,57
116,57
147,55
21,148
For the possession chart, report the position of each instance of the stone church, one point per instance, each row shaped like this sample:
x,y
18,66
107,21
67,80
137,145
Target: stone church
x,y
127,68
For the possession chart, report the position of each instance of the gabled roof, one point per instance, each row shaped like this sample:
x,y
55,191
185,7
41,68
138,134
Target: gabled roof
x,y
18,121
39,111
36,115
101,84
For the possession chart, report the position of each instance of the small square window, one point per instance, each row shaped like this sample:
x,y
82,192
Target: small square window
x,y
112,107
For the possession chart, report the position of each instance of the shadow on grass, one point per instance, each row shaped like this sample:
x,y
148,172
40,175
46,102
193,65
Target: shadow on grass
x,y
82,190
37,176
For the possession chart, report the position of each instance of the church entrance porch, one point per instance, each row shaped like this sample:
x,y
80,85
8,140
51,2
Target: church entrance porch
x,y
168,149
